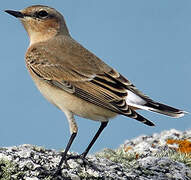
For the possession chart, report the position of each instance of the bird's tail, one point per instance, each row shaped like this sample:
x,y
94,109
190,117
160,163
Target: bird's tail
x,y
140,101
160,108
164,109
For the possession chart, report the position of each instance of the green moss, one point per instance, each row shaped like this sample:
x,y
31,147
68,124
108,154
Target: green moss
x,y
130,159
174,155
48,178
119,156
84,175
9,170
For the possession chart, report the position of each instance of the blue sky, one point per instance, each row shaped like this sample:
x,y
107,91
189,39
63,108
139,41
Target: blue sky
x,y
147,41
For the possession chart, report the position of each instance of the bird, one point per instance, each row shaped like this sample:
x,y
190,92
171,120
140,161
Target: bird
x,y
75,80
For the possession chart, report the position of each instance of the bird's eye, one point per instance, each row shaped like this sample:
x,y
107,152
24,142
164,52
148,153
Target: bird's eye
x,y
42,14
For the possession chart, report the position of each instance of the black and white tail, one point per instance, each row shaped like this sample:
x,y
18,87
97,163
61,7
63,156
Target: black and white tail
x,y
136,101
165,109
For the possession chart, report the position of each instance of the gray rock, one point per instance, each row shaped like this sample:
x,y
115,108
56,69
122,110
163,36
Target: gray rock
x,y
143,161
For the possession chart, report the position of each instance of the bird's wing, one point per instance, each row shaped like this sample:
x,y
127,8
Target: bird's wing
x,y
78,71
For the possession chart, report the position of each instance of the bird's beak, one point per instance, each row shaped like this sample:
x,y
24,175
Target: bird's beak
x,y
17,14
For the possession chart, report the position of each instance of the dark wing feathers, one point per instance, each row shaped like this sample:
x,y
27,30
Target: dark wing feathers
x,y
128,85
106,94
105,87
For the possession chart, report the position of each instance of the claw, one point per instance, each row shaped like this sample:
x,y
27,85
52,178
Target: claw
x,y
66,163
58,172
85,161
54,174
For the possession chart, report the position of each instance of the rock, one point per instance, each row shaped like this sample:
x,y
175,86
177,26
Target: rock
x,y
143,158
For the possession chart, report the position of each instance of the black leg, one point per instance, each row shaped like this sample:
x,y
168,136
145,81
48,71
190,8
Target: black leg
x,y
72,137
101,128
64,158
83,155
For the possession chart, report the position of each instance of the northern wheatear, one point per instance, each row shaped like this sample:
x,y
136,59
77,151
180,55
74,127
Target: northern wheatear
x,y
75,80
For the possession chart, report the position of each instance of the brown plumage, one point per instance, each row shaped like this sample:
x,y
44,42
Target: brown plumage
x,y
74,79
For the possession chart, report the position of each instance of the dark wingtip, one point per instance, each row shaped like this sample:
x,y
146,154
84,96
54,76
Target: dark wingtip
x,y
150,123
144,120
139,118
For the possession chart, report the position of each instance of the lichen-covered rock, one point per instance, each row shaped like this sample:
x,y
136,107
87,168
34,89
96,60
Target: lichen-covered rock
x,y
151,144
143,158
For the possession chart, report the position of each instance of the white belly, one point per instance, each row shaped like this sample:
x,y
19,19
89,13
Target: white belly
x,y
66,101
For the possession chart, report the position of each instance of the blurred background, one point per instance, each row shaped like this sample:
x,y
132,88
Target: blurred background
x,y
147,41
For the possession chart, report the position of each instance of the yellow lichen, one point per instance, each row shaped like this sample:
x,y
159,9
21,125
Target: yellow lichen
x,y
127,148
184,146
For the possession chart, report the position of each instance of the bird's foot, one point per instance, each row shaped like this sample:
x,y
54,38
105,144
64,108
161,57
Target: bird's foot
x,y
81,156
56,174
84,160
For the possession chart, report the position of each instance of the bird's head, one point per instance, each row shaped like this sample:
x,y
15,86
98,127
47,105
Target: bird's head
x,y
41,22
